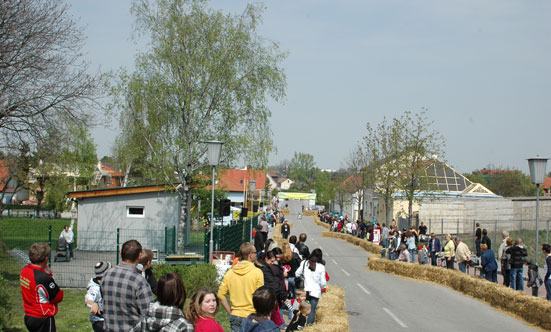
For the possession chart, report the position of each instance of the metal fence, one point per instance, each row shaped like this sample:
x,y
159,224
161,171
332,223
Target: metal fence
x,y
97,246
465,229
230,238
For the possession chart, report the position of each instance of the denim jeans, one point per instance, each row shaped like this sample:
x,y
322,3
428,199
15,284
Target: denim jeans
x,y
313,303
433,256
463,266
506,277
292,287
491,276
412,254
516,278
235,323
548,289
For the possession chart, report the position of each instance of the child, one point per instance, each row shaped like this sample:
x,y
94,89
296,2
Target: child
x,y
147,272
295,303
299,319
202,309
264,301
422,254
93,298
534,279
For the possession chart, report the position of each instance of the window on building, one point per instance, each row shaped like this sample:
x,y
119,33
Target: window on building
x,y
135,211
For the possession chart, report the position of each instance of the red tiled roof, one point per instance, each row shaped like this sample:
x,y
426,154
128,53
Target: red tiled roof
x,y
236,179
4,174
112,172
547,184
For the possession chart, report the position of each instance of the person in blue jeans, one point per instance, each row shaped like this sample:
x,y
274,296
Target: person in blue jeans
x,y
546,281
488,262
518,257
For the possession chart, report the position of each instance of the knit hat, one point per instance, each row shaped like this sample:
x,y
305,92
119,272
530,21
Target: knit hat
x,y
101,267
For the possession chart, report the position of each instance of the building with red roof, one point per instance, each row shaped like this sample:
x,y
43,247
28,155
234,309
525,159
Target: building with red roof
x,y
236,182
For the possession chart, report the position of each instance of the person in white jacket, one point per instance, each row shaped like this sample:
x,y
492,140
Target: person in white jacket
x,y
313,271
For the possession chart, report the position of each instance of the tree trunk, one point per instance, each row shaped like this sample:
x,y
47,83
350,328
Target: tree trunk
x,y
184,195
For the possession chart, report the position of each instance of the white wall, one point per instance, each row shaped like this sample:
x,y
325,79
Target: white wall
x,y
99,218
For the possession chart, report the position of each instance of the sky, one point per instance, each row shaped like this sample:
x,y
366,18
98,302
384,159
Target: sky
x,y
481,68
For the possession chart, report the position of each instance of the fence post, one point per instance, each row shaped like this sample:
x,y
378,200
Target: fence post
x,y
457,234
50,244
495,237
218,236
546,233
174,239
118,244
430,226
166,241
442,227
474,234
520,228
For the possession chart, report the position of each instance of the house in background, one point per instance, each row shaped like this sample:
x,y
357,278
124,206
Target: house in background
x,y
236,183
10,191
278,182
107,177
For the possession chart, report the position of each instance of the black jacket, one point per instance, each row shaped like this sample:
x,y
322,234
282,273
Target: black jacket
x,y
303,250
259,241
518,254
294,264
151,280
273,278
285,229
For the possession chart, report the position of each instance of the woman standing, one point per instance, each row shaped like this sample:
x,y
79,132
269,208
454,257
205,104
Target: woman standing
x,y
288,257
547,279
166,314
314,280
449,252
202,309
488,262
506,263
273,275
410,243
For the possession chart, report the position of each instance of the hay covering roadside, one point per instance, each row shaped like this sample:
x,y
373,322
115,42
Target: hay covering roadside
x,y
331,314
534,310
318,222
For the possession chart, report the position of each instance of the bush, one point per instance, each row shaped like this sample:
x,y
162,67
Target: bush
x,y
194,276
5,304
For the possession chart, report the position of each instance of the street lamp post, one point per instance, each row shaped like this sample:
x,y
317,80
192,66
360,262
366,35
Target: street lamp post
x,y
252,187
214,149
537,174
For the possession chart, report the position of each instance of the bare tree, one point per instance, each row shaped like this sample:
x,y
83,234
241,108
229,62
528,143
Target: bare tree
x,y
43,82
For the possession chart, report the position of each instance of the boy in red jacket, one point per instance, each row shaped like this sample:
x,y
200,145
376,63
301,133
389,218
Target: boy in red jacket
x,y
40,292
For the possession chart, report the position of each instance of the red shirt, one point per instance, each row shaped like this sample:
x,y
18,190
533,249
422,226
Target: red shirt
x,y
207,325
40,292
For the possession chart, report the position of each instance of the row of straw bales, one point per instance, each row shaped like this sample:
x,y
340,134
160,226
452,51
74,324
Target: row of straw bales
x,y
310,213
318,222
534,310
330,313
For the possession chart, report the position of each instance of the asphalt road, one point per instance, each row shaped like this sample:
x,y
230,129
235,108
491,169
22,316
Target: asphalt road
x,y
382,302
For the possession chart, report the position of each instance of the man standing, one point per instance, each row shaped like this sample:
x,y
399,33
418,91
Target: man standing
x,y
285,229
302,247
69,236
462,254
518,255
240,282
422,229
264,228
39,290
478,239
126,293
434,248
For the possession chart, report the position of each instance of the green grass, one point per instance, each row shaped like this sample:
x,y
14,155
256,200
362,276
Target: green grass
x,y
73,314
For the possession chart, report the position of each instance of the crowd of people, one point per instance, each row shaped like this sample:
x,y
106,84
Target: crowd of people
x,y
415,245
267,282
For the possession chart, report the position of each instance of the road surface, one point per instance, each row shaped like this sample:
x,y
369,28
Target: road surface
x,y
378,301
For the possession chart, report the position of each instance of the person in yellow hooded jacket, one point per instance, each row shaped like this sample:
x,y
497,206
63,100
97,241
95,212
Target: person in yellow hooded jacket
x,y
240,282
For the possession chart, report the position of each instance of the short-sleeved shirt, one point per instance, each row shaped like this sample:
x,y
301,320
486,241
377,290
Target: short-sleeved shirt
x,y
126,296
448,249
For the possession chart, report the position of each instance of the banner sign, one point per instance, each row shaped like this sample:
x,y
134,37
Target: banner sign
x,y
297,196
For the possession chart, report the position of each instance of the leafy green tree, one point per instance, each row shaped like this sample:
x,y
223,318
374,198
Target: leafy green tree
x,y
301,170
420,143
206,76
382,147
506,184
